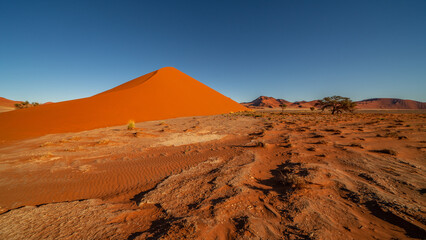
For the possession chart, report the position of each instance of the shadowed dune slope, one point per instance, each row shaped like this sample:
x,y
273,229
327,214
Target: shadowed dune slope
x,y
165,93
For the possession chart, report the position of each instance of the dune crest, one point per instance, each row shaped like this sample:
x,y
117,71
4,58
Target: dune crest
x,y
4,102
162,94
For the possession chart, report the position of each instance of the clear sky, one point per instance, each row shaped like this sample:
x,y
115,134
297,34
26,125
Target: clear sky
x,y
296,50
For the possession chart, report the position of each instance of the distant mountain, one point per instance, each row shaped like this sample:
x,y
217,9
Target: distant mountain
x,y
303,104
390,103
264,101
270,102
373,103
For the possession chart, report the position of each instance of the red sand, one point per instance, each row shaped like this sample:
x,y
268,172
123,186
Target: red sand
x,y
4,102
165,93
250,175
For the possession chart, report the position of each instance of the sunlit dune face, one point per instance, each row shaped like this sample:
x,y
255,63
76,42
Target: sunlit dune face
x,y
166,93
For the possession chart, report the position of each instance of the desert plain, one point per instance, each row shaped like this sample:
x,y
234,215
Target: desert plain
x,y
243,175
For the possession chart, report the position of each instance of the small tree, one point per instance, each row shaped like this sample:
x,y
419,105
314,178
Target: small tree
x,y
312,109
336,104
283,106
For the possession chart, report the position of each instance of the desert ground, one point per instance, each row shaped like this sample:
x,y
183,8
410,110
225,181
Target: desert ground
x,y
6,109
246,175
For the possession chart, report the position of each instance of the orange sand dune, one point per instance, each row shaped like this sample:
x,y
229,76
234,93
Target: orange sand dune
x,y
165,93
4,102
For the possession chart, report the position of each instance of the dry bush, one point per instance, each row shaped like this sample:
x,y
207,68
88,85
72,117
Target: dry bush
x,y
292,180
131,125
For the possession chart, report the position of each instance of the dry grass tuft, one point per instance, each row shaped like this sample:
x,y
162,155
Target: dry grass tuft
x,y
103,142
131,125
46,144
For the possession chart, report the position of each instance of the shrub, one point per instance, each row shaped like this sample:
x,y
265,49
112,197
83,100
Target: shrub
x,y
26,104
131,125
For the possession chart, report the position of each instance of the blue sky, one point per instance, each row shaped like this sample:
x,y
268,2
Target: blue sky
x,y
296,50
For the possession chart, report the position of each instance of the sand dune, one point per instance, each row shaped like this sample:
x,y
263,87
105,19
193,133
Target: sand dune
x,y
246,175
165,93
390,103
4,102
7,105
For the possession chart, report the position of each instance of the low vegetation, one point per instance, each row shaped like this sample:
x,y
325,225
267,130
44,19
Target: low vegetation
x,y
131,125
26,104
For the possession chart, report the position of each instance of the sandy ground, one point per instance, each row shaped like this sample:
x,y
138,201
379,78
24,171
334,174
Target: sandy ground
x,y
251,175
6,109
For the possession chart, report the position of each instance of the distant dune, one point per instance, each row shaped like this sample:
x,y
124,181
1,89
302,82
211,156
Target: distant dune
x,y
264,101
390,103
4,102
373,103
162,94
7,105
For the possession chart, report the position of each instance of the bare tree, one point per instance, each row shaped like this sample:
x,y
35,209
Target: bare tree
x,y
283,106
